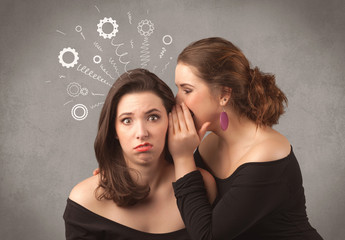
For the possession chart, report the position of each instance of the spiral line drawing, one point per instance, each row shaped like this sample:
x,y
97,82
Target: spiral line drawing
x,y
96,105
162,52
96,44
145,56
120,55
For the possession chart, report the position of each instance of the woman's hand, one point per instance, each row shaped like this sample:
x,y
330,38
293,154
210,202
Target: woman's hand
x,y
183,139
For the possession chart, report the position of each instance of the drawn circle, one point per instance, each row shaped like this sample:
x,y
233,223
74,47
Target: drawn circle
x,y
75,55
148,24
164,41
78,28
97,59
100,28
84,91
73,89
79,117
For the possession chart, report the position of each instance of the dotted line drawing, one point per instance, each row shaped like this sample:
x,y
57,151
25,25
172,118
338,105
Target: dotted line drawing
x,y
79,117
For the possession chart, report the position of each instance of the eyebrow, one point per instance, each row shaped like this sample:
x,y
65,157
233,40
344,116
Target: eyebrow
x,y
148,112
186,85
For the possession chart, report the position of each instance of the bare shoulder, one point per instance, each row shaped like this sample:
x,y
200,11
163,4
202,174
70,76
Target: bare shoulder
x,y
273,146
208,145
210,184
84,192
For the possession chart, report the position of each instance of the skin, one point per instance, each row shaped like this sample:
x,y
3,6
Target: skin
x,y
222,151
141,118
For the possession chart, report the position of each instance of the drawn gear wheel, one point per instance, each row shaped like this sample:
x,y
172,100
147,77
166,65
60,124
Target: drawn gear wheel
x,y
147,32
75,60
74,89
100,28
84,91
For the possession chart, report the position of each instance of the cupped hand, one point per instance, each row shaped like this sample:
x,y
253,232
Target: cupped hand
x,y
183,137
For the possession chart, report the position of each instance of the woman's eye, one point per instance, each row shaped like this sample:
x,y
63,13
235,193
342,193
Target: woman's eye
x,y
153,118
186,91
126,121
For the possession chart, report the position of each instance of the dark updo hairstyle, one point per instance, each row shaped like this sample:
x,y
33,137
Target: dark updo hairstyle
x,y
116,181
219,63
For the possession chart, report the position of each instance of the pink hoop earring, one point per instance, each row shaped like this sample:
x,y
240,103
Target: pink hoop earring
x,y
224,120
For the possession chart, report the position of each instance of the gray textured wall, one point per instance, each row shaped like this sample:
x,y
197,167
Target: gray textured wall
x,y
45,151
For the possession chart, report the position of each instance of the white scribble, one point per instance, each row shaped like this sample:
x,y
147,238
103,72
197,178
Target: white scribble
x,y
105,71
61,32
97,8
88,72
145,53
68,102
129,17
120,55
165,67
79,29
62,76
132,45
113,63
96,105
98,46
162,52
97,94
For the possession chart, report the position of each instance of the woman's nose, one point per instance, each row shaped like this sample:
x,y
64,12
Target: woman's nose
x,y
142,131
178,98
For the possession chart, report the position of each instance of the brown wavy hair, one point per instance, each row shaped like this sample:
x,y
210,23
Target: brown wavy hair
x,y
220,63
116,181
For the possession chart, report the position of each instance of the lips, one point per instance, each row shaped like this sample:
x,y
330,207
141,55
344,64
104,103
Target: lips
x,y
143,147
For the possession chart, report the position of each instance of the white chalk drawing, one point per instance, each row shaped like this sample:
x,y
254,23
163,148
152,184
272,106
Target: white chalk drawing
x,y
145,28
167,39
129,17
100,28
97,94
145,53
132,45
166,66
48,81
113,64
74,112
68,102
98,46
97,59
97,9
96,105
60,32
84,91
162,52
88,72
62,76
73,89
75,60
79,29
106,71
120,55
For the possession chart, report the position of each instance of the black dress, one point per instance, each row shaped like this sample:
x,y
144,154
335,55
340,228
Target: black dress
x,y
82,224
258,201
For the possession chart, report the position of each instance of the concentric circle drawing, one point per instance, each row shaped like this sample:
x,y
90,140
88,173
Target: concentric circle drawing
x,y
75,57
74,112
169,40
145,28
100,28
73,89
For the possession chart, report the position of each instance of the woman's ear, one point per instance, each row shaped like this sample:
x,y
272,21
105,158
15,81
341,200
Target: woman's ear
x,y
225,96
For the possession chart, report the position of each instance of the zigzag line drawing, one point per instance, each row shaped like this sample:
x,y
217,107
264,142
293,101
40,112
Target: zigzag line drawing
x,y
162,52
96,105
120,55
96,44
165,67
113,63
145,56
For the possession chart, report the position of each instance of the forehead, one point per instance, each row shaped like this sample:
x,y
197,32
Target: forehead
x,y
139,102
186,74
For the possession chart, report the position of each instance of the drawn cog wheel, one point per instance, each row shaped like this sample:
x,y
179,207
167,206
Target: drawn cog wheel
x,y
148,32
100,28
74,89
75,60
84,91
